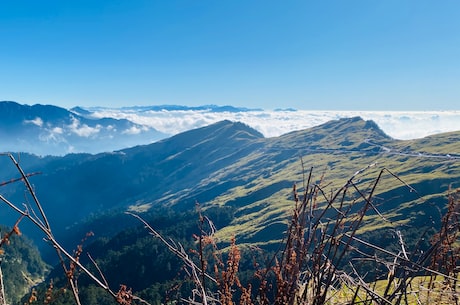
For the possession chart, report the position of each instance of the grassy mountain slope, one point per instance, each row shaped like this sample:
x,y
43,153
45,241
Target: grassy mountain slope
x,y
339,149
231,165
78,186
231,168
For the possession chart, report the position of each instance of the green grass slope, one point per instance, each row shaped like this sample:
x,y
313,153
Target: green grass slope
x,y
338,150
230,165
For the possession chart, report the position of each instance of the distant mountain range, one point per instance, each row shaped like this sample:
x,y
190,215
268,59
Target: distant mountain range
x,y
51,130
213,108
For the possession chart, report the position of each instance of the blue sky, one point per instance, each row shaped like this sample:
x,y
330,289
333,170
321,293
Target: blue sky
x,y
328,55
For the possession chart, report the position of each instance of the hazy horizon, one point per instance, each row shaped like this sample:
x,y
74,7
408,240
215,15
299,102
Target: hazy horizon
x,y
402,125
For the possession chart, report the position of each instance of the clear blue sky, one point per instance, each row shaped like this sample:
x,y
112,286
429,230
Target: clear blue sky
x,y
322,54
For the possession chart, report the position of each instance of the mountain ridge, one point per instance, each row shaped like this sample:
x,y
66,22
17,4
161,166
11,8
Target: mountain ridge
x,y
41,129
214,108
230,165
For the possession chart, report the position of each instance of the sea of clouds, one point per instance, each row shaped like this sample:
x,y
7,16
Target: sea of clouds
x,y
397,124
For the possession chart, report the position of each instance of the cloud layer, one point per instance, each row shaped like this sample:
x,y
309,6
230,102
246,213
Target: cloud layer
x,y
399,125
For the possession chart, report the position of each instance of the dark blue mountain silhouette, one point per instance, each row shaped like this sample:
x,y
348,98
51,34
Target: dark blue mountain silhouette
x,y
47,129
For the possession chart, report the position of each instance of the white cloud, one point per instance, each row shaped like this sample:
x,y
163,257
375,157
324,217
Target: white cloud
x,y
397,124
57,130
52,135
83,130
133,130
37,121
